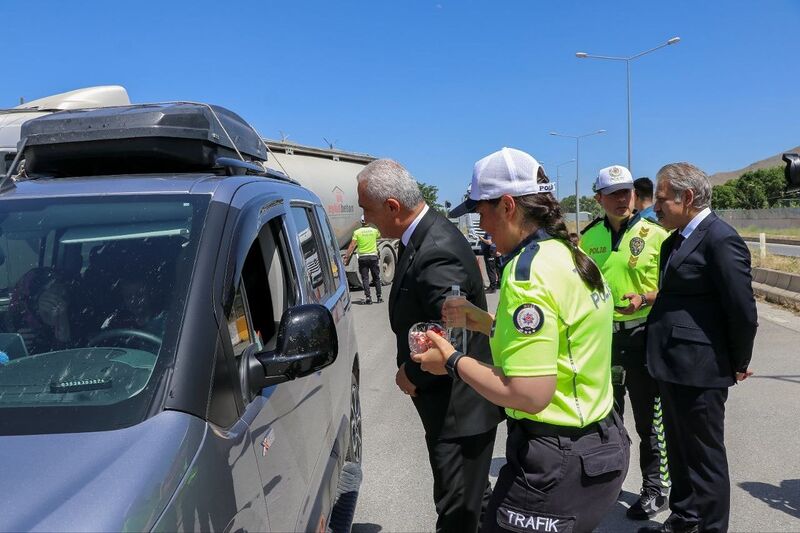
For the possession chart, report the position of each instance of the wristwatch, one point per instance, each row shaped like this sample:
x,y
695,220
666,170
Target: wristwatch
x,y
450,364
645,303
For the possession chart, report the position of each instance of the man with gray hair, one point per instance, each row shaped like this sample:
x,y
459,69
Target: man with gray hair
x,y
460,425
700,338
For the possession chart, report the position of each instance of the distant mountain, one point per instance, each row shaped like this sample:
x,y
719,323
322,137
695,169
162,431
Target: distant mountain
x,y
722,177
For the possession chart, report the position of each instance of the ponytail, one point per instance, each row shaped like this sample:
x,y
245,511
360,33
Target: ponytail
x,y
545,211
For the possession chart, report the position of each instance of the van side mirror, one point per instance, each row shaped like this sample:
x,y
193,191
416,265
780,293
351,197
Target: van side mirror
x,y
307,343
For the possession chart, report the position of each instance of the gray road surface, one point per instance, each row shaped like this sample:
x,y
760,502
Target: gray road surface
x,y
778,249
761,435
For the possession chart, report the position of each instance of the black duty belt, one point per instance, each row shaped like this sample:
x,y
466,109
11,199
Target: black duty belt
x,y
629,324
539,429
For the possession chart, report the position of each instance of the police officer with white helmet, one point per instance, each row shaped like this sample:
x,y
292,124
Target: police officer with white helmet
x,y
567,452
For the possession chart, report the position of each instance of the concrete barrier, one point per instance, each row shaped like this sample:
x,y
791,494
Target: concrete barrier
x,y
777,287
772,278
794,284
759,275
775,278
779,296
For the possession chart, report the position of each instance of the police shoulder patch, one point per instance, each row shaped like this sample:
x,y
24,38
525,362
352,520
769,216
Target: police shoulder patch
x,y
636,245
528,318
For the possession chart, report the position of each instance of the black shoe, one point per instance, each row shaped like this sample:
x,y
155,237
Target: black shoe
x,y
650,503
380,300
367,301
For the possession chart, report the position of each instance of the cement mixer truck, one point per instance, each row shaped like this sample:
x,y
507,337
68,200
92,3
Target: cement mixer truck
x,y
329,173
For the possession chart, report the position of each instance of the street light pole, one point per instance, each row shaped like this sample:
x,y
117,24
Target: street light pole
x,y
577,195
558,174
630,133
627,60
577,166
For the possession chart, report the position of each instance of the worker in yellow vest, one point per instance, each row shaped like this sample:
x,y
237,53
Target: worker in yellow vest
x,y
365,241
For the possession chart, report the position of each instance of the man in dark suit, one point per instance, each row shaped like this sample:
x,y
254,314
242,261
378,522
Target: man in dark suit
x,y
459,424
699,342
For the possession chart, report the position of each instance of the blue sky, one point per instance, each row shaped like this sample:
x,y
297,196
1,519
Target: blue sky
x,y
439,84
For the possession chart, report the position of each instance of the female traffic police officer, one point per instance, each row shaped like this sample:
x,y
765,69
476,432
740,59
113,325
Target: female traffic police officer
x,y
567,452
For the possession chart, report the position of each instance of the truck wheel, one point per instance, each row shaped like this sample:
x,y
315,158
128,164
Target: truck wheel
x,y
354,449
387,264
353,280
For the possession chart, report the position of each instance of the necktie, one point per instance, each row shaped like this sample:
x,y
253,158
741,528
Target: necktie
x,y
675,245
679,238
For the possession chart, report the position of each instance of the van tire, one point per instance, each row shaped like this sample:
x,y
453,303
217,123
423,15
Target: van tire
x,y
354,448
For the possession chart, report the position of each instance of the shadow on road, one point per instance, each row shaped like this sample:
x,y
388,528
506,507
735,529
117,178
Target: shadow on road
x,y
366,528
616,520
790,379
784,498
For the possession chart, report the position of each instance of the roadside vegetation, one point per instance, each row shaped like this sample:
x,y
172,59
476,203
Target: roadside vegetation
x,y
776,262
757,189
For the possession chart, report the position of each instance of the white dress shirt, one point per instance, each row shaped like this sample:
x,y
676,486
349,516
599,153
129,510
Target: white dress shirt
x,y
692,225
410,229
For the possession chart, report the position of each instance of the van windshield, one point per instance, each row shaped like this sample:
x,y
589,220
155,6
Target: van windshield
x,y
92,292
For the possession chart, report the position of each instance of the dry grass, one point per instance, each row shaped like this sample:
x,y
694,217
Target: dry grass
x,y
785,233
777,262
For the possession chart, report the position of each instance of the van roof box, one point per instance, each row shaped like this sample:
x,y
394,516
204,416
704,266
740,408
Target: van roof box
x,y
146,138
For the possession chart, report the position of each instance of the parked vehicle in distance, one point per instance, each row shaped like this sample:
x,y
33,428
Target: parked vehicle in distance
x,y
11,120
469,225
177,349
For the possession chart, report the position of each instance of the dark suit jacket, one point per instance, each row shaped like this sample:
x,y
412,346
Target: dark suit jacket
x,y
703,323
437,257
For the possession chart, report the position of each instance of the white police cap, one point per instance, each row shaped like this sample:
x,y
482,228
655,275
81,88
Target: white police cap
x,y
613,178
507,171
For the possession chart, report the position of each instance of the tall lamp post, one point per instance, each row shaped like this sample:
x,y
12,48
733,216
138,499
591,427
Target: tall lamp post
x,y
577,165
627,60
558,174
